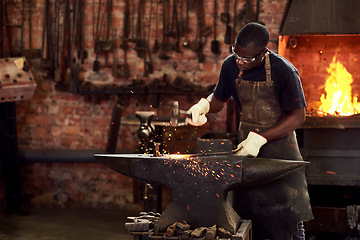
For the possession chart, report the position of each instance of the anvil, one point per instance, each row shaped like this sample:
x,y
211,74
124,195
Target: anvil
x,y
199,183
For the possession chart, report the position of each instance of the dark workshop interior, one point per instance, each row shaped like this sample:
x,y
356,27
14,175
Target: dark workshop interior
x,y
84,79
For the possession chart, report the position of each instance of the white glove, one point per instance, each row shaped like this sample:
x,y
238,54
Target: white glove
x,y
198,112
251,145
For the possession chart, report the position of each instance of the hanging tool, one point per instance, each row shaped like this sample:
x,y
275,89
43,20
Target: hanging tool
x,y
175,28
148,67
82,54
233,32
59,75
203,31
1,30
47,54
103,44
96,63
156,42
46,10
9,27
22,29
257,10
30,29
215,44
140,44
225,18
116,69
57,69
125,38
109,42
181,22
187,30
74,66
171,32
164,47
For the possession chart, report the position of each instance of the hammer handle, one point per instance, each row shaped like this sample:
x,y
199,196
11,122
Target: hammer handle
x,y
187,115
184,113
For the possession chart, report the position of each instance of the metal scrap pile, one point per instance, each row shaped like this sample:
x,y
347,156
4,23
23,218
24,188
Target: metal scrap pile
x,y
145,226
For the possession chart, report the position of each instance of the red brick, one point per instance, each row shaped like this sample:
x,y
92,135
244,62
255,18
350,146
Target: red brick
x,y
75,121
99,121
41,131
56,131
68,110
208,67
70,130
38,120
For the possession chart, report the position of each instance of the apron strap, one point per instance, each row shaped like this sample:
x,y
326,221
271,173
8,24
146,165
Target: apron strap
x,y
267,67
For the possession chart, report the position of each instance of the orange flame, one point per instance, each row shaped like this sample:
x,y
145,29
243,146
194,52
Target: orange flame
x,y
338,99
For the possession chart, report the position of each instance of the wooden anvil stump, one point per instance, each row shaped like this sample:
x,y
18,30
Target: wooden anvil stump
x,y
199,183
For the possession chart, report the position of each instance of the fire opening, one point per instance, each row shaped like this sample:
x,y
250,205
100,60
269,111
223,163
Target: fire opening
x,y
338,99
329,72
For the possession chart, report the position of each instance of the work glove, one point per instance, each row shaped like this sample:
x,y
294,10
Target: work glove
x,y
251,145
198,112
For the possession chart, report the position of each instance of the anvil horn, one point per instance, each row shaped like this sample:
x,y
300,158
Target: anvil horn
x,y
199,183
258,171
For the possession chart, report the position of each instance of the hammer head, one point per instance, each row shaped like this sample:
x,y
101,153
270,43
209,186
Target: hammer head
x,y
174,114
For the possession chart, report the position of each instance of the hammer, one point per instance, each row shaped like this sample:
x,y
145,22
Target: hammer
x,y
176,113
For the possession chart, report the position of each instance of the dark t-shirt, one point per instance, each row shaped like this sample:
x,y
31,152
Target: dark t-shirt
x,y
285,76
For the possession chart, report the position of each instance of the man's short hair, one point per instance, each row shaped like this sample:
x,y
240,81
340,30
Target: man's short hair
x,y
253,34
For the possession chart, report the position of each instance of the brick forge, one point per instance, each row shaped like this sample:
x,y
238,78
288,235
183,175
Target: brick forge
x,y
313,54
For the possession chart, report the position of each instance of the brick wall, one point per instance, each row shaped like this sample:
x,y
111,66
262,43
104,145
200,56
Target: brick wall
x,y
56,119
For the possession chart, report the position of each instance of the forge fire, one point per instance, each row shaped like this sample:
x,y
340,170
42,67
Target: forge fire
x,y
338,99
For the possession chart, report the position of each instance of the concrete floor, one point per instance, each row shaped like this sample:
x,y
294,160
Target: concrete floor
x,y
60,224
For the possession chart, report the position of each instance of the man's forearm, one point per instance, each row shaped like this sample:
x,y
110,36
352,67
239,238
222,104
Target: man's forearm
x,y
215,104
286,125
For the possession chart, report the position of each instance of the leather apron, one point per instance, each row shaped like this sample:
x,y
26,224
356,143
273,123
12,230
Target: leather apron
x,y
277,207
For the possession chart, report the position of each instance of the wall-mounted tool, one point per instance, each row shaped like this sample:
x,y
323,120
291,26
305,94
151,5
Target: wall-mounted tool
x,y
46,43
82,53
102,36
225,18
125,39
156,42
148,66
165,46
74,66
215,44
187,30
64,43
140,42
203,31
